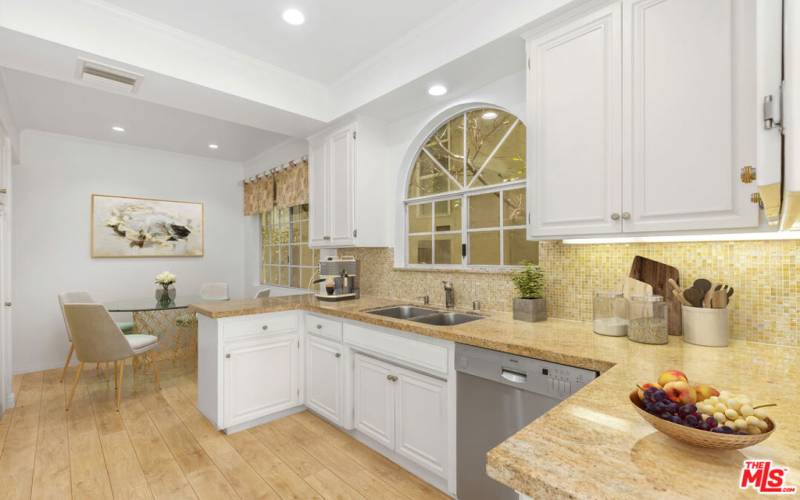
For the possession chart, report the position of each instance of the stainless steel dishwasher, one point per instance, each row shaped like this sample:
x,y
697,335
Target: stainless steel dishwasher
x,y
499,394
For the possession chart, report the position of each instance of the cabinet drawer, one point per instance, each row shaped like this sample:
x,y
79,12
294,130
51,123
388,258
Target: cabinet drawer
x,y
399,346
260,324
324,327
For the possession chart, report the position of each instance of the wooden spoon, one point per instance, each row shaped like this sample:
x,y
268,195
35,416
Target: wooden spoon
x,y
694,296
703,285
719,299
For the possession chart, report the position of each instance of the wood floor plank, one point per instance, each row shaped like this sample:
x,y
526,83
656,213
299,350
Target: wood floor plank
x,y
331,486
88,471
19,449
51,475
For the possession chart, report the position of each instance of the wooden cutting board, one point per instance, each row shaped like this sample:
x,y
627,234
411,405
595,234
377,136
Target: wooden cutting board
x,y
656,275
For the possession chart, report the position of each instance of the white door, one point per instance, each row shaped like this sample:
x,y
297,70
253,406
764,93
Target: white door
x,y
342,186
261,378
318,195
689,114
324,382
574,128
374,399
6,395
421,420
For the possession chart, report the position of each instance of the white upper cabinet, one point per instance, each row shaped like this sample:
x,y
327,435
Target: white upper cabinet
x,y
574,127
689,114
642,115
348,187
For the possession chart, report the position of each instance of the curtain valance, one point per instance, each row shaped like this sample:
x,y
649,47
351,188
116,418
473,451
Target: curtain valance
x,y
281,187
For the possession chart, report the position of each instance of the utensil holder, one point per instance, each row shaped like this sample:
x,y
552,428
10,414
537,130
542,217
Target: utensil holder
x,y
706,326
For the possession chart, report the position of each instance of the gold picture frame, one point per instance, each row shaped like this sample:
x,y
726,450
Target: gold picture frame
x,y
136,227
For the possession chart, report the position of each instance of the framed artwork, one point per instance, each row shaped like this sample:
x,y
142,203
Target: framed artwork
x,y
144,227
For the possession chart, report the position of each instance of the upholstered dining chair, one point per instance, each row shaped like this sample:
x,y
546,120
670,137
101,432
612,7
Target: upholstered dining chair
x,y
214,291
98,339
263,294
81,298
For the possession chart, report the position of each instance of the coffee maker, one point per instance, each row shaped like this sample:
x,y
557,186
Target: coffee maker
x,y
338,278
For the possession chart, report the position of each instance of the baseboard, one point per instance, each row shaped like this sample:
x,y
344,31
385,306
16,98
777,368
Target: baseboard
x,y
38,368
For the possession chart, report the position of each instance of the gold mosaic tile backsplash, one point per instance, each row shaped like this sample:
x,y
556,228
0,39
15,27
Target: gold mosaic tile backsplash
x,y
764,274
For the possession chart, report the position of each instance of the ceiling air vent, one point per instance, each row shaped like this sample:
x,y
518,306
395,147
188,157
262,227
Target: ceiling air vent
x,y
108,77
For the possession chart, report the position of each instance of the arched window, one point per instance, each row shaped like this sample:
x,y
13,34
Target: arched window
x,y
465,202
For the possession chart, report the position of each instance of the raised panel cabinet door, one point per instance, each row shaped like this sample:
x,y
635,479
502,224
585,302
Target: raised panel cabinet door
x,y
260,378
319,225
421,427
689,113
342,186
373,399
574,128
324,382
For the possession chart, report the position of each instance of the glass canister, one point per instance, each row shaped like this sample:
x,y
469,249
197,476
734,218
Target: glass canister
x,y
610,314
647,319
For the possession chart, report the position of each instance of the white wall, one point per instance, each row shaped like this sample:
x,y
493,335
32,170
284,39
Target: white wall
x,y
291,149
51,244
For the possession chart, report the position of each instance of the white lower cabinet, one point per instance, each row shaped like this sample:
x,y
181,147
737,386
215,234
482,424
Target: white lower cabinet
x,y
403,410
260,377
325,378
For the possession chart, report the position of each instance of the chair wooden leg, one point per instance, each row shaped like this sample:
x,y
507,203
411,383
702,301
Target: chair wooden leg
x,y
66,363
119,381
74,385
133,369
154,362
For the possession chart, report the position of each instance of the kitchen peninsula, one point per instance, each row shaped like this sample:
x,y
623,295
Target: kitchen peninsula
x,y
595,430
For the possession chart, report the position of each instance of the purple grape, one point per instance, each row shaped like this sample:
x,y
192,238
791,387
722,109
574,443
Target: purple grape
x,y
651,390
691,420
717,430
725,429
659,395
666,416
676,419
703,426
672,407
711,422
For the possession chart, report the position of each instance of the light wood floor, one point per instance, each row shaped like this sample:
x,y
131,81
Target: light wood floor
x,y
159,445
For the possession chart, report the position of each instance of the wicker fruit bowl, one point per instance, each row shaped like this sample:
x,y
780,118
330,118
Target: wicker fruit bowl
x,y
697,437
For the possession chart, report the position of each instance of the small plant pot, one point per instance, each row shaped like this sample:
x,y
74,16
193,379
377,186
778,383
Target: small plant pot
x,y
165,295
530,310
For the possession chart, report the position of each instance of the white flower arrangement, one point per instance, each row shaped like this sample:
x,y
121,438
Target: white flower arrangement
x,y
165,279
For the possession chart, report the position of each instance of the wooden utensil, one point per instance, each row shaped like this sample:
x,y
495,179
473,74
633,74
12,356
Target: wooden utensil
x,y
658,274
694,296
703,285
719,300
679,295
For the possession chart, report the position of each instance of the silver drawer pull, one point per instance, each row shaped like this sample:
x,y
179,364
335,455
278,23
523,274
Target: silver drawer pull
x,y
228,356
391,378
338,355
265,327
516,377
319,327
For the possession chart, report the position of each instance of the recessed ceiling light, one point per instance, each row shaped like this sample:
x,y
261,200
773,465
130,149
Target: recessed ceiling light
x,y
213,146
489,115
294,17
117,128
437,90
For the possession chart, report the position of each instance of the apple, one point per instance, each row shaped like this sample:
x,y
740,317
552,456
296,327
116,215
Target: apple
x,y
671,376
705,391
644,387
679,391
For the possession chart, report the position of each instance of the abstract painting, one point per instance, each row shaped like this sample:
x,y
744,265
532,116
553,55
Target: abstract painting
x,y
143,227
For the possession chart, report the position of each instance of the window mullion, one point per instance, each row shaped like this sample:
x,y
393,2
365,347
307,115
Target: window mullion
x,y
440,167
494,152
464,222
502,216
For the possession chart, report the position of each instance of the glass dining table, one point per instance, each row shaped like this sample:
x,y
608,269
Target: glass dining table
x,y
175,327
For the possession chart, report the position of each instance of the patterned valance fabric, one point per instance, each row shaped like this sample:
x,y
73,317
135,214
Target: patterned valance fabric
x,y
282,189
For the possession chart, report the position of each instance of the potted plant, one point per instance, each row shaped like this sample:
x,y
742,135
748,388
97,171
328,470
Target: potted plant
x,y
530,305
166,292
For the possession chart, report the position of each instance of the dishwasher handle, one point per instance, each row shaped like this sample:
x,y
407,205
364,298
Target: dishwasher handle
x,y
512,376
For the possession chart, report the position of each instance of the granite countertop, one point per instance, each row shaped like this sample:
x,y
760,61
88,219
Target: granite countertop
x,y
594,445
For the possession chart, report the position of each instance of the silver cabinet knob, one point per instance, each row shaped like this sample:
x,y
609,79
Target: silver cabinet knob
x,y
338,355
8,304
615,216
265,327
319,327
228,356
391,378
626,215
326,238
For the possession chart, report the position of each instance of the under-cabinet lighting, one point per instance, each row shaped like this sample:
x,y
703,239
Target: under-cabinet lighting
x,y
437,90
783,235
294,17
213,146
117,128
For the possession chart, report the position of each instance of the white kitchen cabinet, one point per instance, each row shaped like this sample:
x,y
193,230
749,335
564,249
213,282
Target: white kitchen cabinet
x,y
348,187
324,382
421,420
403,410
260,377
574,127
659,149
373,399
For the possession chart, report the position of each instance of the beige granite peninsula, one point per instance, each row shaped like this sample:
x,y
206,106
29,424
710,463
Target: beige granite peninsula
x,y
594,445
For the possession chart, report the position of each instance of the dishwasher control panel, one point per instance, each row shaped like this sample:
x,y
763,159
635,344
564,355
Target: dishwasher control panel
x,y
530,374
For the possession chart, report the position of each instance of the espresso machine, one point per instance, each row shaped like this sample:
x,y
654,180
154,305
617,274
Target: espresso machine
x,y
338,278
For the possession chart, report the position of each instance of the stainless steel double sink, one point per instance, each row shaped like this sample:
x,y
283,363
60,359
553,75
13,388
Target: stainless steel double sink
x,y
425,315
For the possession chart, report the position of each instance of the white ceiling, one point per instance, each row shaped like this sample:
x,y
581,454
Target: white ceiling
x,y
50,105
336,37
